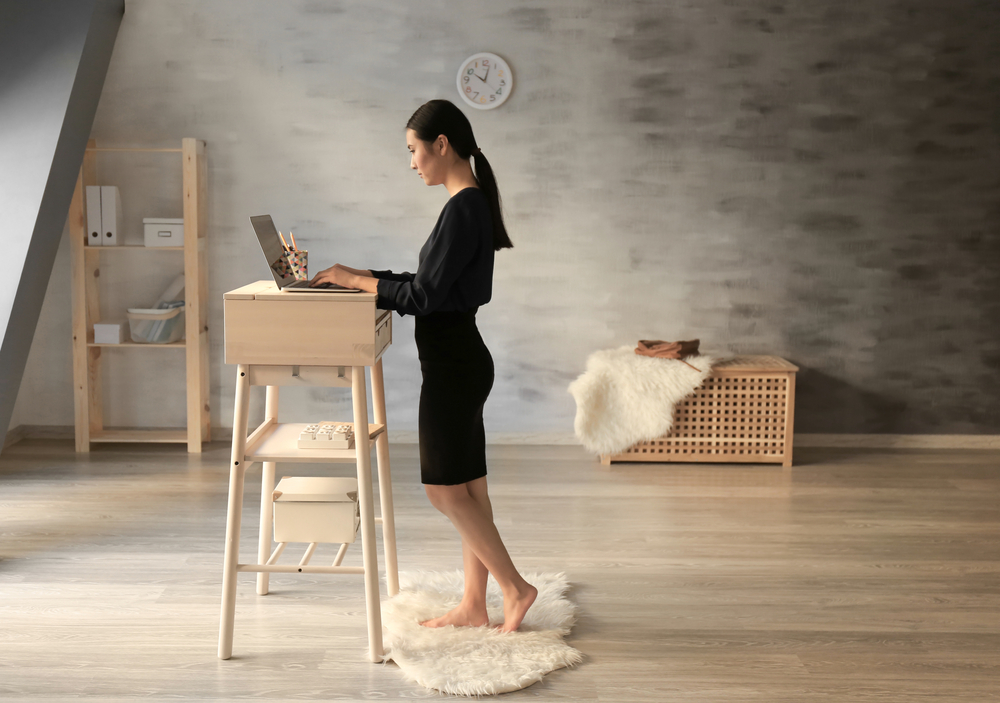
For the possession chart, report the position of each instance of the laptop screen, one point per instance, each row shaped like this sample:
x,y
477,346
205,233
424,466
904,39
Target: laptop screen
x,y
270,244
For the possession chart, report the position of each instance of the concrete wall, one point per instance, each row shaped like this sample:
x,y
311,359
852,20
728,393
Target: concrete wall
x,y
810,179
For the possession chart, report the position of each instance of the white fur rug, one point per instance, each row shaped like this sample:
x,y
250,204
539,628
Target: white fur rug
x,y
472,661
624,398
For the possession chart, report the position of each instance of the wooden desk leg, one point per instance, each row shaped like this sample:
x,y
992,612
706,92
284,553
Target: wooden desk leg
x,y
362,447
789,421
385,483
266,524
266,498
237,471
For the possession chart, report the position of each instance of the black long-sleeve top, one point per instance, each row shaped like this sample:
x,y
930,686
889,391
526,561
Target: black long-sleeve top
x,y
455,266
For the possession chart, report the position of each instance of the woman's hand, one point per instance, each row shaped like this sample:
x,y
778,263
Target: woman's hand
x,y
344,276
337,273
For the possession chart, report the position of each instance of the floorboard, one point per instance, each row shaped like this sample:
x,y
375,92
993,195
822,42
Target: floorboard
x,y
857,575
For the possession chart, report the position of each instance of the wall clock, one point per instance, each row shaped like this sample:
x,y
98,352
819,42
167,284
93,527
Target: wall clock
x,y
485,81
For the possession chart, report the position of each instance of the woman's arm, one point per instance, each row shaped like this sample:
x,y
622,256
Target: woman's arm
x,y
451,246
404,276
358,272
369,284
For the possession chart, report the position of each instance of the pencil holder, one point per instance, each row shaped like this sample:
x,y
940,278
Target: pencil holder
x,y
298,260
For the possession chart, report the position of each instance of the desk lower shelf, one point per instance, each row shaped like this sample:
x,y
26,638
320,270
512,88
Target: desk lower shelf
x,y
278,441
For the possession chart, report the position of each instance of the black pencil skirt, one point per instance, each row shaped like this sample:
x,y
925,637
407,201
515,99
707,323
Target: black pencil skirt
x,y
457,371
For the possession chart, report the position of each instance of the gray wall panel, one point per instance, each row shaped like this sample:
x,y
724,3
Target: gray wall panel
x,y
54,55
812,179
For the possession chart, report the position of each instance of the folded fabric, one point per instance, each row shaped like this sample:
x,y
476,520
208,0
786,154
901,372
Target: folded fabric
x,y
624,398
667,350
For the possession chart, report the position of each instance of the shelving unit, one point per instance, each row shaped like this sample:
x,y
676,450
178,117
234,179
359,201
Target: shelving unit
x,y
85,264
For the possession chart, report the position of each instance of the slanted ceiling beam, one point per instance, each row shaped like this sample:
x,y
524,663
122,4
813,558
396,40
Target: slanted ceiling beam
x,y
54,55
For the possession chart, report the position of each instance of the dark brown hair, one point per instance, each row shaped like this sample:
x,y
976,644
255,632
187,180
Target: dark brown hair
x,y
437,117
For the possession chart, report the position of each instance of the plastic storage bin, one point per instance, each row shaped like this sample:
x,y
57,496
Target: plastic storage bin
x,y
316,509
153,326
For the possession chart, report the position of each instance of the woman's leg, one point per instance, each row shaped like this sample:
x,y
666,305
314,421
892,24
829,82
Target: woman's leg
x,y
467,506
472,609
476,573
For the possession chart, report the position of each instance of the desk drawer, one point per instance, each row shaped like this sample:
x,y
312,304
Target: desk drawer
x,y
305,332
383,333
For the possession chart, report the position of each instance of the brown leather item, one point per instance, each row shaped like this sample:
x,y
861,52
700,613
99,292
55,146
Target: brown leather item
x,y
668,350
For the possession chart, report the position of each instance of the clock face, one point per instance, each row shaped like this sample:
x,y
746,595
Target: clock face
x,y
485,81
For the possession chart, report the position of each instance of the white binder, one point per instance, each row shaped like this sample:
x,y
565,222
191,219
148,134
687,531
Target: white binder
x,y
95,233
111,214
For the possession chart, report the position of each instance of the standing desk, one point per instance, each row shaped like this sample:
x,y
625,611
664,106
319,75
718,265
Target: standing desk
x,y
306,339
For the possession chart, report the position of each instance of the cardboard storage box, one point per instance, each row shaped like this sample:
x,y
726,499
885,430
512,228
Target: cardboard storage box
x,y
163,231
109,332
316,509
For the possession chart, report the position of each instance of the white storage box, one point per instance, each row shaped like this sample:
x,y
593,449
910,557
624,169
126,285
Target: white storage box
x,y
109,332
163,231
156,326
316,509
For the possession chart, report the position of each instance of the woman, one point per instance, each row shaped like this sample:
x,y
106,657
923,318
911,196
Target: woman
x,y
454,277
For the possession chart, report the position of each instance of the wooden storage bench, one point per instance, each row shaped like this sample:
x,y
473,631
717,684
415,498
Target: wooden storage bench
x,y
743,412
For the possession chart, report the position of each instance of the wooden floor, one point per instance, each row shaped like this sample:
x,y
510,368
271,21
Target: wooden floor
x,y
855,576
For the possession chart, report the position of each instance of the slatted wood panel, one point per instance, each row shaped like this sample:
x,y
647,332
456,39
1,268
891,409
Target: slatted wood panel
x,y
743,412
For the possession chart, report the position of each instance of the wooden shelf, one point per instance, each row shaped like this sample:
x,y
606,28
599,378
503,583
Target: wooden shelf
x,y
132,246
85,272
178,436
178,344
279,442
148,150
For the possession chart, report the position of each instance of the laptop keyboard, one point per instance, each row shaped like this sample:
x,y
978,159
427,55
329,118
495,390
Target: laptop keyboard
x,y
305,284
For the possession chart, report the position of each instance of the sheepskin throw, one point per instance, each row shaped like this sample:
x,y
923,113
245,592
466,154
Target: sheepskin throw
x,y
473,661
624,398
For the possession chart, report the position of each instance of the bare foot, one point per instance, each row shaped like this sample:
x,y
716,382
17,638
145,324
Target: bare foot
x,y
461,616
514,609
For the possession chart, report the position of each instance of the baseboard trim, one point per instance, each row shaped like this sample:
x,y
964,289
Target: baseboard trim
x,y
14,436
39,432
860,441
900,441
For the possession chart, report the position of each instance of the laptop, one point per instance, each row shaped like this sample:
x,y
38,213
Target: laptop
x,y
277,261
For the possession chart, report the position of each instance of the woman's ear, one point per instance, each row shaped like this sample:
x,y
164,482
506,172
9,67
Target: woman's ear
x,y
441,145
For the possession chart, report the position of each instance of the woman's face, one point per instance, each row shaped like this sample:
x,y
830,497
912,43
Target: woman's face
x,y
426,159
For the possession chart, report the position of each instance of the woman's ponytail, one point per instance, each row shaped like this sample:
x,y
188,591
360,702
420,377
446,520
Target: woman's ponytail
x,y
438,117
488,182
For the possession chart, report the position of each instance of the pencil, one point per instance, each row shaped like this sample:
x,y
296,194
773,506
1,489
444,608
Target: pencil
x,y
290,234
283,242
